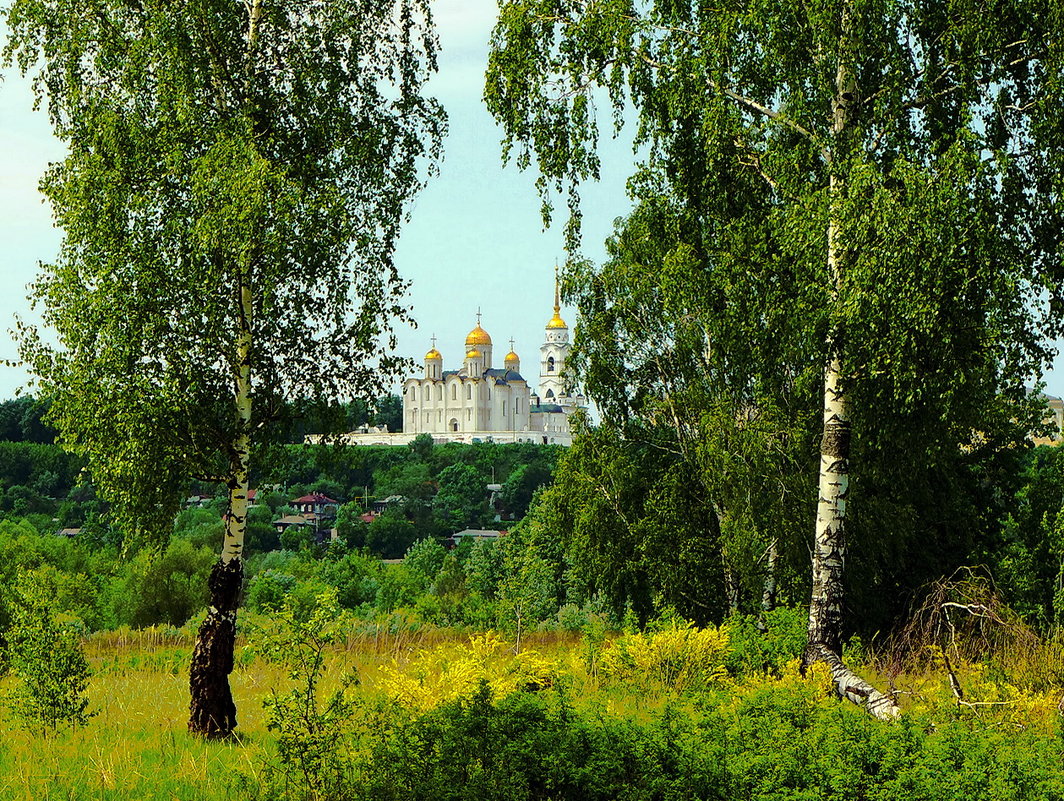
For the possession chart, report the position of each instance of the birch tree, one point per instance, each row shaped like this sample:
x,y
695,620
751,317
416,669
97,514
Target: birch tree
x,y
892,165
236,177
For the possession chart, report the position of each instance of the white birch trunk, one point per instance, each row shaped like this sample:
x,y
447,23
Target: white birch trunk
x,y
829,546
768,593
212,711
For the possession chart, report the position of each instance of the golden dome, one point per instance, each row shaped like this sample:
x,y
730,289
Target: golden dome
x,y
433,354
512,357
556,321
473,354
478,336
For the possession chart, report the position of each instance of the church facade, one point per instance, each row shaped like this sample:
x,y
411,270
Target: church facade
x,y
482,401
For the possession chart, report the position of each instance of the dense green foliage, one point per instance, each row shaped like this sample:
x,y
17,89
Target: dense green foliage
x,y
840,275
45,656
752,727
778,744
89,578
22,420
617,532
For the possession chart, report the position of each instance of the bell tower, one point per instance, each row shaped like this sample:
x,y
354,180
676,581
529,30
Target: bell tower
x,y
554,353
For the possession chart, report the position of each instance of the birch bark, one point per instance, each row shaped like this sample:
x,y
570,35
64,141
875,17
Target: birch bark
x,y
212,711
829,544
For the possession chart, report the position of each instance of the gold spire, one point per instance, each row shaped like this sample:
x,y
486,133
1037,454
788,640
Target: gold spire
x,y
556,321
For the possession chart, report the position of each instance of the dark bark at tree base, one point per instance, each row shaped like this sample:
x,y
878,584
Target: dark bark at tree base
x,y
212,712
851,686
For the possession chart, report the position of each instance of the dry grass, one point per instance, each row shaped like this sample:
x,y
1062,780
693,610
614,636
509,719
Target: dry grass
x,y
137,747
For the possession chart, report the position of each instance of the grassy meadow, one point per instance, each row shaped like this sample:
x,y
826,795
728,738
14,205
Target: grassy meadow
x,y
673,713
136,745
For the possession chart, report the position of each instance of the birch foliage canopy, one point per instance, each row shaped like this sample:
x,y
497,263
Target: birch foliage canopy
x,y
215,148
864,191
236,178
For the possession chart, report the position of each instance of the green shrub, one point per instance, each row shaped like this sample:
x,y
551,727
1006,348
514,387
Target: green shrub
x,y
267,591
779,639
532,746
313,730
45,656
164,588
425,557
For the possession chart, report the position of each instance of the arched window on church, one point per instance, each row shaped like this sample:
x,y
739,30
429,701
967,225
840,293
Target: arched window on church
x,y
454,392
469,392
439,392
550,364
550,393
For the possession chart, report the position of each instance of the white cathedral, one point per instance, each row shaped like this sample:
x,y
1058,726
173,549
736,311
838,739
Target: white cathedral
x,y
481,402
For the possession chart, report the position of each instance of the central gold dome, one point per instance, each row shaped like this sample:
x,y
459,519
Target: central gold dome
x,y
556,321
433,354
478,336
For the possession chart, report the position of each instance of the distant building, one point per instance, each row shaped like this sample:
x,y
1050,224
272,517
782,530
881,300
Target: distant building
x,y
474,534
480,402
316,505
315,511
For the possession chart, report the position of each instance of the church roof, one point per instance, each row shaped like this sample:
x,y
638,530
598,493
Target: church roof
x,y
500,376
505,375
556,321
543,408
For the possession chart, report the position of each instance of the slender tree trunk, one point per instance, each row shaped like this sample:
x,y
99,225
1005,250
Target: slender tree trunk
x,y
829,547
212,712
731,581
731,585
768,593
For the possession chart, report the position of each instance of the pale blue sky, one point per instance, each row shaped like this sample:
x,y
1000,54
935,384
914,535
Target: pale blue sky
x,y
475,238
